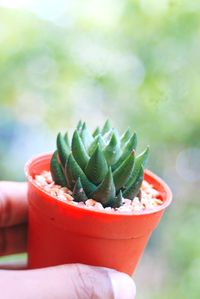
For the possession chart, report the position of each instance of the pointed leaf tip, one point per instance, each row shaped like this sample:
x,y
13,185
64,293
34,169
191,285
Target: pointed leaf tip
x,y
66,138
140,161
97,167
78,192
105,192
98,140
86,136
112,151
96,132
79,126
106,127
78,149
126,136
128,147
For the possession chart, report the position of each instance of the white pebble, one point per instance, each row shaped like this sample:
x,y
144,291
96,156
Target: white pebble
x,y
149,196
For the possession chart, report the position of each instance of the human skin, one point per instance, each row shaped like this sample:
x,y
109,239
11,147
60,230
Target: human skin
x,y
73,281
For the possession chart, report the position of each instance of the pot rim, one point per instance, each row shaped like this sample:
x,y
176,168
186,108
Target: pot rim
x,y
157,209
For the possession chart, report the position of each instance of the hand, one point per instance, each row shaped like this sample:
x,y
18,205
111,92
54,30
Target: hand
x,y
72,281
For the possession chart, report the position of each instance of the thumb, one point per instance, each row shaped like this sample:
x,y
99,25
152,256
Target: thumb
x,y
74,281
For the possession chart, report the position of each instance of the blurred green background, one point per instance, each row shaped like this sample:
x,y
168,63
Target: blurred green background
x,y
135,62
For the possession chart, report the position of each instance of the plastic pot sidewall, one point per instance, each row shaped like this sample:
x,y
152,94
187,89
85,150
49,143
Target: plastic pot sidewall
x,y
63,233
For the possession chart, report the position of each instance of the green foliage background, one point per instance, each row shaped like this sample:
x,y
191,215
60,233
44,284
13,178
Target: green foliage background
x,y
136,63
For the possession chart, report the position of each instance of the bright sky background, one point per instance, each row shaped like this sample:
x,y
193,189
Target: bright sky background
x,y
47,9
105,11
53,9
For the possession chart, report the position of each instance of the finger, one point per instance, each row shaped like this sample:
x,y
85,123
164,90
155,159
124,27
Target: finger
x,y
73,281
13,203
13,239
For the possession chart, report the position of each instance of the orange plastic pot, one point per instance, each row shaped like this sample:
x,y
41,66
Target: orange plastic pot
x,y
61,233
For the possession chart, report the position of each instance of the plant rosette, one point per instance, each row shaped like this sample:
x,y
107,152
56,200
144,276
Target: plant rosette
x,y
91,201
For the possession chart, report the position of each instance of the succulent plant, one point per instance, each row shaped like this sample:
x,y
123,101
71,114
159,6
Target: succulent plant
x,y
102,166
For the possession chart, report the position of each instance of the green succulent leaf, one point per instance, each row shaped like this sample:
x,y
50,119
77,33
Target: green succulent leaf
x,y
131,144
118,200
79,126
63,149
123,172
66,138
126,136
56,170
73,171
112,151
98,141
140,160
134,186
116,132
96,132
101,165
78,192
107,136
86,136
97,167
105,193
106,128
79,152
128,147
